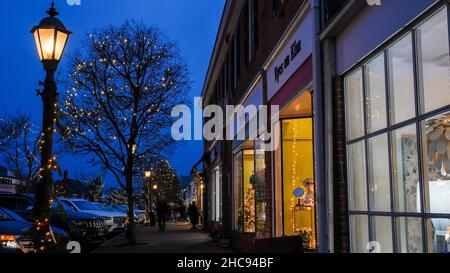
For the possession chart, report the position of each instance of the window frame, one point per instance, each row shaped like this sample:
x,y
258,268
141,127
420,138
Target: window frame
x,y
417,120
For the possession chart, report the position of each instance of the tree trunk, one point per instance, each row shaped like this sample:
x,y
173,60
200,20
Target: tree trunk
x,y
131,224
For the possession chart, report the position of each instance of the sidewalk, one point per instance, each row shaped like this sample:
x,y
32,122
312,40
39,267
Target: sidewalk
x,y
178,238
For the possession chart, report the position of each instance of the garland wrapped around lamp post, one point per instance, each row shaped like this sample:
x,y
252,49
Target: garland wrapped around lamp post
x,y
51,37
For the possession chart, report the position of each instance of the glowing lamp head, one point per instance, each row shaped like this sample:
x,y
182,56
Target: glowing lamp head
x,y
51,38
147,174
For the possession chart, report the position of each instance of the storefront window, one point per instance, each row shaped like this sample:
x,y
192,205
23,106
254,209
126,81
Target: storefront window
x,y
436,132
399,176
359,233
354,105
376,94
298,180
237,189
216,201
379,186
249,190
406,169
357,176
401,79
409,234
382,233
260,189
278,204
438,234
434,60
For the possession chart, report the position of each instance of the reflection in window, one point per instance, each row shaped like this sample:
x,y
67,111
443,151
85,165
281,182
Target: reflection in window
x,y
354,105
357,176
409,235
298,180
437,163
382,233
438,234
406,169
401,78
435,61
380,192
359,233
376,95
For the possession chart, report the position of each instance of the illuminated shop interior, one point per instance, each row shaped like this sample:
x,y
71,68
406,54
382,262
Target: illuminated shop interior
x,y
295,206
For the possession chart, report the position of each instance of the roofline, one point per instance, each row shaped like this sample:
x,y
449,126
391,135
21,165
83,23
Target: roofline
x,y
218,42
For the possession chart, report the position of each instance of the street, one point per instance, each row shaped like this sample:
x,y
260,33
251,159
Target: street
x,y
178,238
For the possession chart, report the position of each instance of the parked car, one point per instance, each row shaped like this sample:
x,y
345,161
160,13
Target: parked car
x,y
115,221
14,237
87,229
140,216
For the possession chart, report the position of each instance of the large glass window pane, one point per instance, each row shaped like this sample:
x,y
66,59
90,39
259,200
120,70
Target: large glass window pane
x,y
436,133
406,169
357,184
401,80
409,235
438,235
379,174
359,233
249,191
278,203
376,95
237,189
354,105
260,189
433,48
382,233
298,180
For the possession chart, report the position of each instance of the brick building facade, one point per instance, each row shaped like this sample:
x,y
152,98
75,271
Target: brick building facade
x,y
358,163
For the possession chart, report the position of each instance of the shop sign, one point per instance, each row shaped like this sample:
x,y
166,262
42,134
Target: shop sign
x,y
295,52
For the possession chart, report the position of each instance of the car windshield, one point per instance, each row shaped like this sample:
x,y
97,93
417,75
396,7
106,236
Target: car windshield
x,y
57,205
85,205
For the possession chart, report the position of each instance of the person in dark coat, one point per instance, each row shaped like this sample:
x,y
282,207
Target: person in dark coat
x,y
193,215
161,210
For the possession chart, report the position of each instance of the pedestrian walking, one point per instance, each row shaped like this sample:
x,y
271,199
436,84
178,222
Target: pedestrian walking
x,y
161,210
193,215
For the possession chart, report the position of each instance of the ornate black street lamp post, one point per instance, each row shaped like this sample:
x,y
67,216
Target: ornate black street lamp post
x,y
51,37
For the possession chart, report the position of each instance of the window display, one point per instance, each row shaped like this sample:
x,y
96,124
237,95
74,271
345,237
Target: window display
x,y
399,176
436,132
249,190
298,180
244,191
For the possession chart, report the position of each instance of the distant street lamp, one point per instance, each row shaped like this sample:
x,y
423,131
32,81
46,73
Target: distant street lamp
x,y
51,37
148,177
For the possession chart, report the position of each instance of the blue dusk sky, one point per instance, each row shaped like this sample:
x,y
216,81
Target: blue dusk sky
x,y
193,24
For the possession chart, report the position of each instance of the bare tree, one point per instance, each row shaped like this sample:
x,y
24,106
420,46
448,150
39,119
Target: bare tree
x,y
95,188
19,145
122,90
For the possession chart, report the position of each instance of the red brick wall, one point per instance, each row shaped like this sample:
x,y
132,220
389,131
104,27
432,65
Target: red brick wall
x,y
341,228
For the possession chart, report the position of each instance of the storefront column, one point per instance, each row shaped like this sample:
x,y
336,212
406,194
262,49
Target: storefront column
x,y
319,154
328,75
